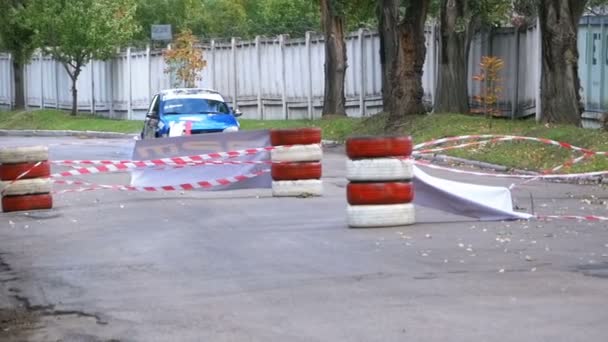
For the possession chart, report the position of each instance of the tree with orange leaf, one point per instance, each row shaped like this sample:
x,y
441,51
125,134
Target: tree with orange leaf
x,y
490,80
185,60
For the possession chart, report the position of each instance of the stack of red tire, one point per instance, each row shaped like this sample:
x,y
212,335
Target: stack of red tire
x,y
24,172
296,162
380,190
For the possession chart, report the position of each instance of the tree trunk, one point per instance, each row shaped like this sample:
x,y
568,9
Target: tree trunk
x,y
18,84
74,77
560,84
335,59
74,98
388,19
403,45
452,94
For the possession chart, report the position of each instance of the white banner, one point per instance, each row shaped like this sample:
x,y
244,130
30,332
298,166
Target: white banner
x,y
203,144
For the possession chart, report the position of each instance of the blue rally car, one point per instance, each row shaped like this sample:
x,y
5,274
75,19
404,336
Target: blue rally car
x,y
204,109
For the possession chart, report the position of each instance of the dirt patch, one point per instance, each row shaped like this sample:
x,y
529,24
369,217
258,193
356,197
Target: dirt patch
x,y
16,323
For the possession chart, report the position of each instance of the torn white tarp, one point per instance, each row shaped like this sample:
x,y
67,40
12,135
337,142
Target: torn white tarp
x,y
487,203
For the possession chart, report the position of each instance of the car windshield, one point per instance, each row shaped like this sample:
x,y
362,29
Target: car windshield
x,y
194,106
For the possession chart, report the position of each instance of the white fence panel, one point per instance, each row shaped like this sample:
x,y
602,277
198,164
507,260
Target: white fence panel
x,y
6,80
279,78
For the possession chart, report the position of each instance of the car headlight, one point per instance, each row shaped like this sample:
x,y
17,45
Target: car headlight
x,y
231,129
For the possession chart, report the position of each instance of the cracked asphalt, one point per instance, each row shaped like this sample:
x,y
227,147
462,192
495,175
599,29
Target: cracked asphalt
x,y
243,266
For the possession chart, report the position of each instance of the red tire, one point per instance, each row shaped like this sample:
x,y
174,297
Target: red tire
x,y
379,193
296,136
378,147
12,171
296,171
27,202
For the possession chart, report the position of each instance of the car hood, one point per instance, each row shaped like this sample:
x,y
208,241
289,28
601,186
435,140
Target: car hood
x,y
203,121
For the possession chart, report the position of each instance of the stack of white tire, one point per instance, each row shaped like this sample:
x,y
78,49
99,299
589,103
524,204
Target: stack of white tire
x,y
296,162
25,183
380,191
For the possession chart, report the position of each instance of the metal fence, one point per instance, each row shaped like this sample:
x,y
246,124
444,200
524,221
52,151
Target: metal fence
x,y
281,78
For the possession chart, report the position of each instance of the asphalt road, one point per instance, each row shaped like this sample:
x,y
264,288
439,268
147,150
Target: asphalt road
x,y
243,266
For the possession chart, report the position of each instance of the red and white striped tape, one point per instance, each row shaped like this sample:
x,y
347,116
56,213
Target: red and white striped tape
x,y
504,175
187,186
135,165
23,174
497,138
173,160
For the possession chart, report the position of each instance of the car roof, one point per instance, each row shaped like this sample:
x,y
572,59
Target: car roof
x,y
191,93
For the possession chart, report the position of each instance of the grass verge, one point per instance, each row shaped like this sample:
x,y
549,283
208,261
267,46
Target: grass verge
x,y
48,119
521,155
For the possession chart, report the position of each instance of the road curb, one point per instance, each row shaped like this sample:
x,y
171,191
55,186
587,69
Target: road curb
x,y
501,168
63,133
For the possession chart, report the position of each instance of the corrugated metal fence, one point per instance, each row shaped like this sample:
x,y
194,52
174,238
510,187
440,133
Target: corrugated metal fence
x,y
281,78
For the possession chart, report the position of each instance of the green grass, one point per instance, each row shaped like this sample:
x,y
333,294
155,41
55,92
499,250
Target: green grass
x,y
521,155
60,120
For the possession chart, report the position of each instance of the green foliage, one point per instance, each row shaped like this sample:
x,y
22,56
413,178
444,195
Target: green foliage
x,y
180,14
273,17
16,36
491,12
486,12
223,18
361,14
74,31
248,18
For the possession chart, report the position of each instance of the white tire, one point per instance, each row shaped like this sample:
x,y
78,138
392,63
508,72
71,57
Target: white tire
x,y
14,155
368,216
308,187
26,187
379,169
297,153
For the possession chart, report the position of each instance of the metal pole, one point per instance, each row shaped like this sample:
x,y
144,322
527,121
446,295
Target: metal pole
x,y
41,62
362,65
539,71
589,59
111,82
149,63
213,64
11,79
309,79
57,68
603,61
234,70
258,60
515,73
433,65
25,85
129,92
283,77
92,66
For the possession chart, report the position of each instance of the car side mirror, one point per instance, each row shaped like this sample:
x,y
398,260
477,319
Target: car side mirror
x,y
152,115
237,113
